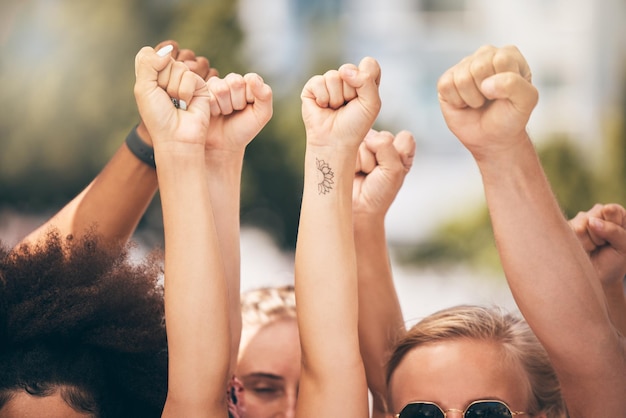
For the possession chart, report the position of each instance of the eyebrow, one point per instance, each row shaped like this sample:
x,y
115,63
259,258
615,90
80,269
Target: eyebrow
x,y
263,375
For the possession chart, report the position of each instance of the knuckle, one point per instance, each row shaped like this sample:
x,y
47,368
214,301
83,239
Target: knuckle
x,y
487,48
463,78
480,67
332,75
444,83
234,78
504,59
220,88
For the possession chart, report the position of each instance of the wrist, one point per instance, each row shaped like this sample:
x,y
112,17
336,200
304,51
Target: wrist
x,y
144,135
368,220
332,146
176,153
224,158
179,171
138,147
498,150
368,226
501,161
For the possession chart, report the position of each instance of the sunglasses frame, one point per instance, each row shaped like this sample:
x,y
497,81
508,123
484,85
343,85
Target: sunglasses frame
x,y
445,412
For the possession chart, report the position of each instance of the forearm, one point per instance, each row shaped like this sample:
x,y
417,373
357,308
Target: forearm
x,y
540,253
195,285
553,280
224,177
325,258
326,290
113,203
380,315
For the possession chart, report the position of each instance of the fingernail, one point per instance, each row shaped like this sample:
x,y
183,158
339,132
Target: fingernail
x,y
165,50
182,104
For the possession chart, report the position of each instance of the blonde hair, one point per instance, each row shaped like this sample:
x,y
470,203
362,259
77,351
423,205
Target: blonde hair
x,y
264,306
490,324
267,304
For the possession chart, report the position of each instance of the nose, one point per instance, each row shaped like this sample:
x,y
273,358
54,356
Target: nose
x,y
453,413
290,411
288,408
287,413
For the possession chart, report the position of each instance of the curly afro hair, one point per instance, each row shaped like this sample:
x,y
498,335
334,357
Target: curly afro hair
x,y
78,318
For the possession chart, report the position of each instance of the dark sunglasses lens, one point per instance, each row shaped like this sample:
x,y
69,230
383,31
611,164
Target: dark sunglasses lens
x,y
421,410
488,410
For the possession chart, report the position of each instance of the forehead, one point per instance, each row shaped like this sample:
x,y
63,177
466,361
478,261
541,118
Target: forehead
x,y
23,405
272,349
456,372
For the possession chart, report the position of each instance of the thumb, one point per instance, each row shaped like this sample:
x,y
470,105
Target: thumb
x,y
612,233
366,160
365,79
513,87
148,64
615,213
259,93
404,142
381,145
193,89
175,47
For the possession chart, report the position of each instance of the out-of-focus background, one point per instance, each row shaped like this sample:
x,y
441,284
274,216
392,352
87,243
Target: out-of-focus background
x,y
67,73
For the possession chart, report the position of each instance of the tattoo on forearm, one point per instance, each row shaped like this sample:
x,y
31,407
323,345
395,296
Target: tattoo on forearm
x,y
324,176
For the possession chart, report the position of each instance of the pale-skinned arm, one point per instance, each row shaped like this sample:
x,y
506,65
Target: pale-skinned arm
x,y
487,100
338,109
384,161
240,108
196,302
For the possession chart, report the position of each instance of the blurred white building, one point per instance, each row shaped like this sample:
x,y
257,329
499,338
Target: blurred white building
x,y
576,50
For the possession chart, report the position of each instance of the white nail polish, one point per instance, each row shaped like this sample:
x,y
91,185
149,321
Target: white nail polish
x,y
182,105
165,50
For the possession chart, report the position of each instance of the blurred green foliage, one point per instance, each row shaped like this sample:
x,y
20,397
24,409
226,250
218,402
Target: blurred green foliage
x,y
67,75
577,178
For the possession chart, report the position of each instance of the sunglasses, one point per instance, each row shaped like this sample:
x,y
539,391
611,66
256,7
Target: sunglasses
x,y
477,409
